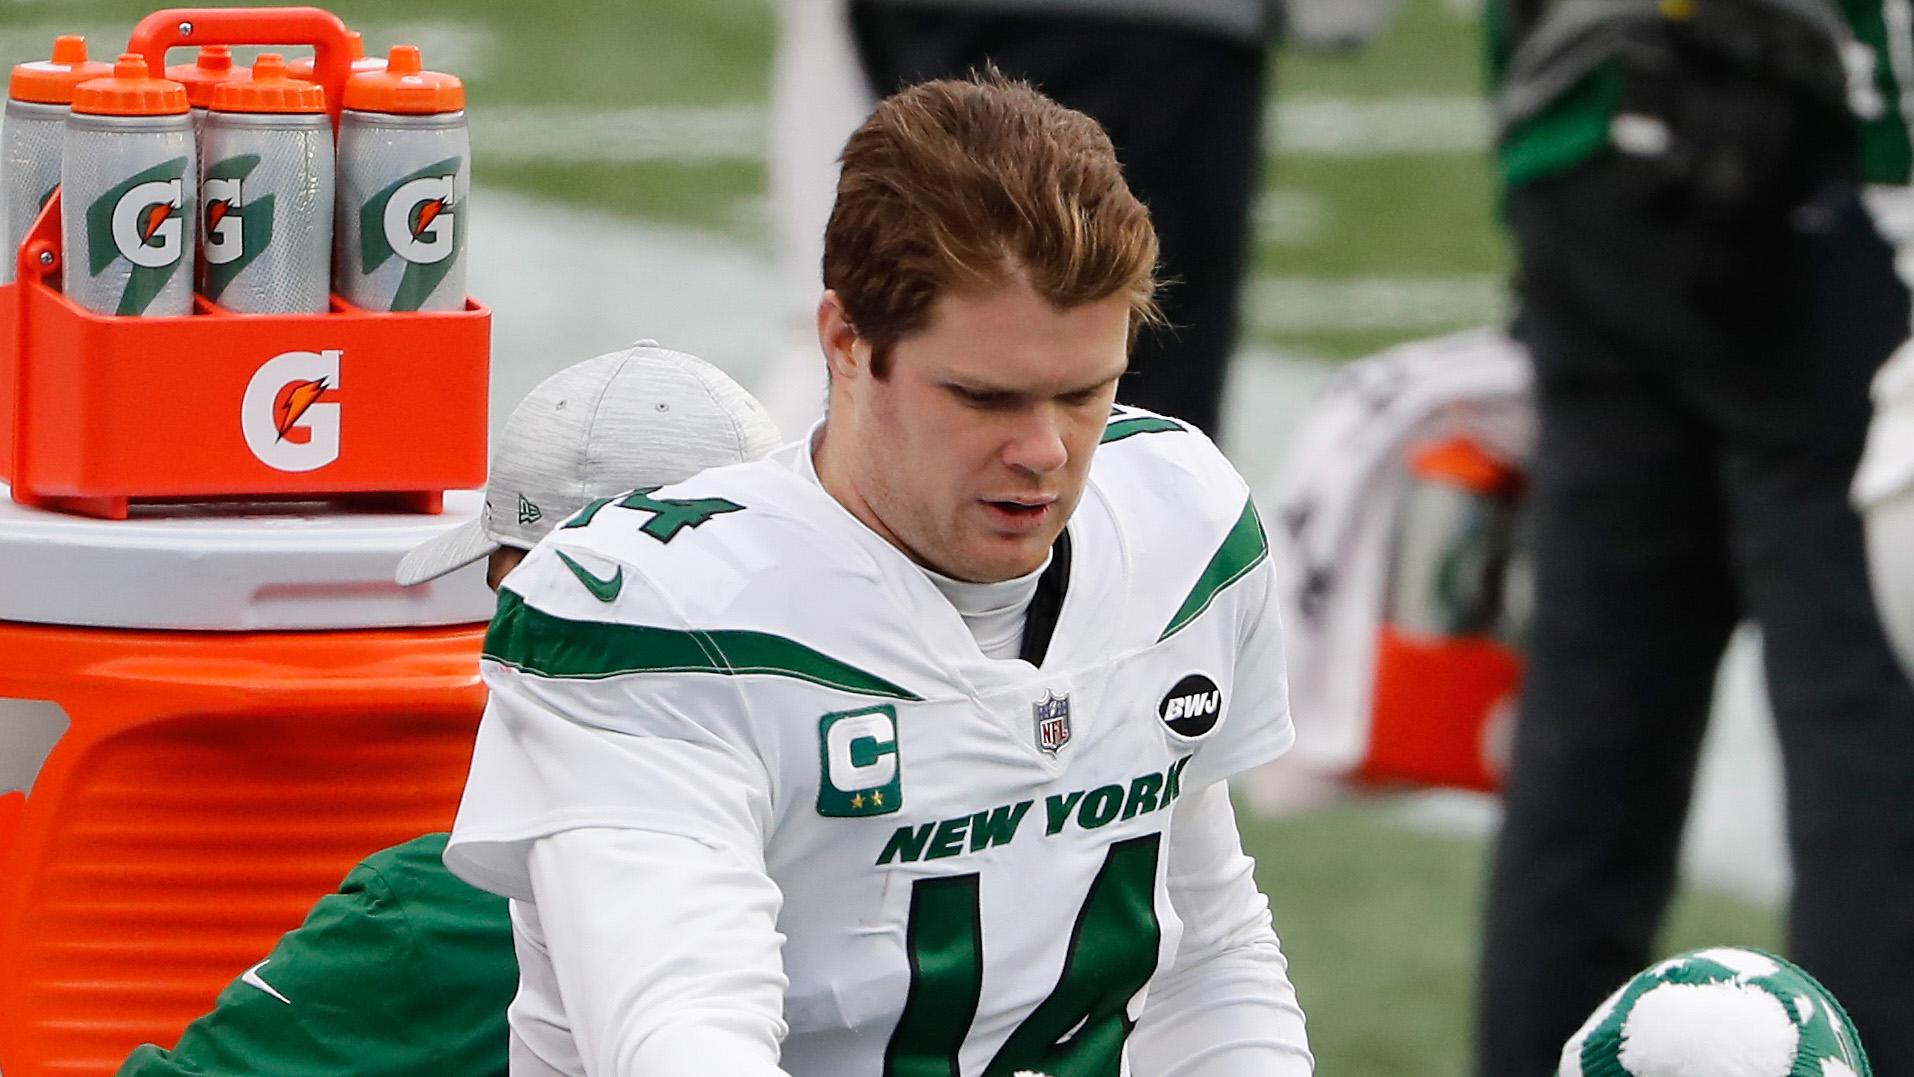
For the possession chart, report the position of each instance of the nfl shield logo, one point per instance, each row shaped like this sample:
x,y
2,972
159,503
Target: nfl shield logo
x,y
1053,721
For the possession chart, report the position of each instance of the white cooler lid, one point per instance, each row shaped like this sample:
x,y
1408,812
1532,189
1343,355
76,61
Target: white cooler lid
x,y
252,568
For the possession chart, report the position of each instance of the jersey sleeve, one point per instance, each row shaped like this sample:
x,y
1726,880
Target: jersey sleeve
x,y
663,951
403,970
1256,725
606,710
1226,1005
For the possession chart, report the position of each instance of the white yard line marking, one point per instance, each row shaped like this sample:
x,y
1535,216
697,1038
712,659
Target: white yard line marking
x,y
1291,218
663,133
1378,127
1288,305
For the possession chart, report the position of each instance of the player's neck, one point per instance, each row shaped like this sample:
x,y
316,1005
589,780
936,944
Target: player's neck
x,y
834,476
994,612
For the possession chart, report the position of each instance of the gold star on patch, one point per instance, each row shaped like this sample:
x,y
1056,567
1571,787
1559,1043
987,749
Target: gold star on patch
x,y
877,798
857,801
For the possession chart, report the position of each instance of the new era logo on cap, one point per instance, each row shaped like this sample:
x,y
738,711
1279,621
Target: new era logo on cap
x,y
528,513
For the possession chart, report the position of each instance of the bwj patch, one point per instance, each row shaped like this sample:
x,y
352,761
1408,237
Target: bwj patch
x,y
1192,707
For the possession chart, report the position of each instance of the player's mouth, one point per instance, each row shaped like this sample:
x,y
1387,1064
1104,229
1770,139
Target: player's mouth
x,y
1020,514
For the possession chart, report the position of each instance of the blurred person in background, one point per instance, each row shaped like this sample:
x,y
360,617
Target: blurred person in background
x,y
406,969
1179,86
1705,298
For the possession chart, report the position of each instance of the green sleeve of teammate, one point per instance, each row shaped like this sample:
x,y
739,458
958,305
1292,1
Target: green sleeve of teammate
x,y
405,970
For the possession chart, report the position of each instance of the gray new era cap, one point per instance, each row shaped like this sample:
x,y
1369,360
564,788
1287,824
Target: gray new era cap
x,y
645,416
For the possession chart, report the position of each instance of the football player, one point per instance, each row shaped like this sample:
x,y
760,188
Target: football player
x,y
904,751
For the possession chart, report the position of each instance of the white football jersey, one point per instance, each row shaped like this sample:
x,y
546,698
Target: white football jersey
x,y
971,851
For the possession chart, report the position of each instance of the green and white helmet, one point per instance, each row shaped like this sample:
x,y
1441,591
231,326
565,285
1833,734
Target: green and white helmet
x,y
1723,1012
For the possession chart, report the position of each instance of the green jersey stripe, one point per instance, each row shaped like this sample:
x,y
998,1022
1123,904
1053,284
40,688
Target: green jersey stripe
x,y
546,645
1140,424
1243,549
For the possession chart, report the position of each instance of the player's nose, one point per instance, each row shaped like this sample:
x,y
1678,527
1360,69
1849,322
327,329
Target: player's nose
x,y
1037,445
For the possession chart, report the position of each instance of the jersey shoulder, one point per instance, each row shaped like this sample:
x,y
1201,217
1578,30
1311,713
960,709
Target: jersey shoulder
x,y
728,543
744,570
1151,463
1184,514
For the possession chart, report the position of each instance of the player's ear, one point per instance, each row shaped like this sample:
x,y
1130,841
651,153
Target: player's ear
x,y
837,337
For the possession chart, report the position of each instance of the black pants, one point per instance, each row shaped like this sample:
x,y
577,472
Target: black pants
x,y
1702,385
1184,109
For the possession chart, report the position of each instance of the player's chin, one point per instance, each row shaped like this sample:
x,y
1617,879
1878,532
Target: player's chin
x,y
1000,554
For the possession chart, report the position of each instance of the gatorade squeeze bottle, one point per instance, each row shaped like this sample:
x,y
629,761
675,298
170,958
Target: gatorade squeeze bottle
x,y
127,175
302,67
37,100
1455,537
404,174
211,69
266,195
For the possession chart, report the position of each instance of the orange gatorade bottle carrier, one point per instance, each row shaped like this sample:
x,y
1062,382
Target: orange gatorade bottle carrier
x,y
382,405
245,705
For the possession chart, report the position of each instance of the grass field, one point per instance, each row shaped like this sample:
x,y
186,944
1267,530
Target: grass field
x,y
1368,235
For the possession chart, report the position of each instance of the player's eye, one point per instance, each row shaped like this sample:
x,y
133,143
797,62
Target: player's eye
x,y
985,399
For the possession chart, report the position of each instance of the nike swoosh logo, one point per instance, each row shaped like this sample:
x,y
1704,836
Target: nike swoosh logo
x,y
604,590
251,976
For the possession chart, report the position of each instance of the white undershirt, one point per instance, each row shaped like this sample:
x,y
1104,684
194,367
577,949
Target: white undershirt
x,y
994,612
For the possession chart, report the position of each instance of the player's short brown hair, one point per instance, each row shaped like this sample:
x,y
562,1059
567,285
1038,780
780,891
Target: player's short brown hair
x,y
969,184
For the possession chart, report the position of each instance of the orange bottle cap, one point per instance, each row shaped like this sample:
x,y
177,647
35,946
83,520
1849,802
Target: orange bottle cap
x,y
51,82
130,91
302,68
213,67
404,87
270,89
1463,462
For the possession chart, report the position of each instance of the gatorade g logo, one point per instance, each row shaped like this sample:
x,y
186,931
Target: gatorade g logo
x,y
235,231
225,229
142,220
285,416
418,220
147,225
415,220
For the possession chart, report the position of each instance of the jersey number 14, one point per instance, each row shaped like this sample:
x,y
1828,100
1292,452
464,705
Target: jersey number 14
x,y
1079,1030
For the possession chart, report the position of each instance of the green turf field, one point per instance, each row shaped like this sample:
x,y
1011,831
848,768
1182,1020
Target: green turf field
x,y
1379,919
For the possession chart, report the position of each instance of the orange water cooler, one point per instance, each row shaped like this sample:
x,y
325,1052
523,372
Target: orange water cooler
x,y
1447,665
244,705
214,700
